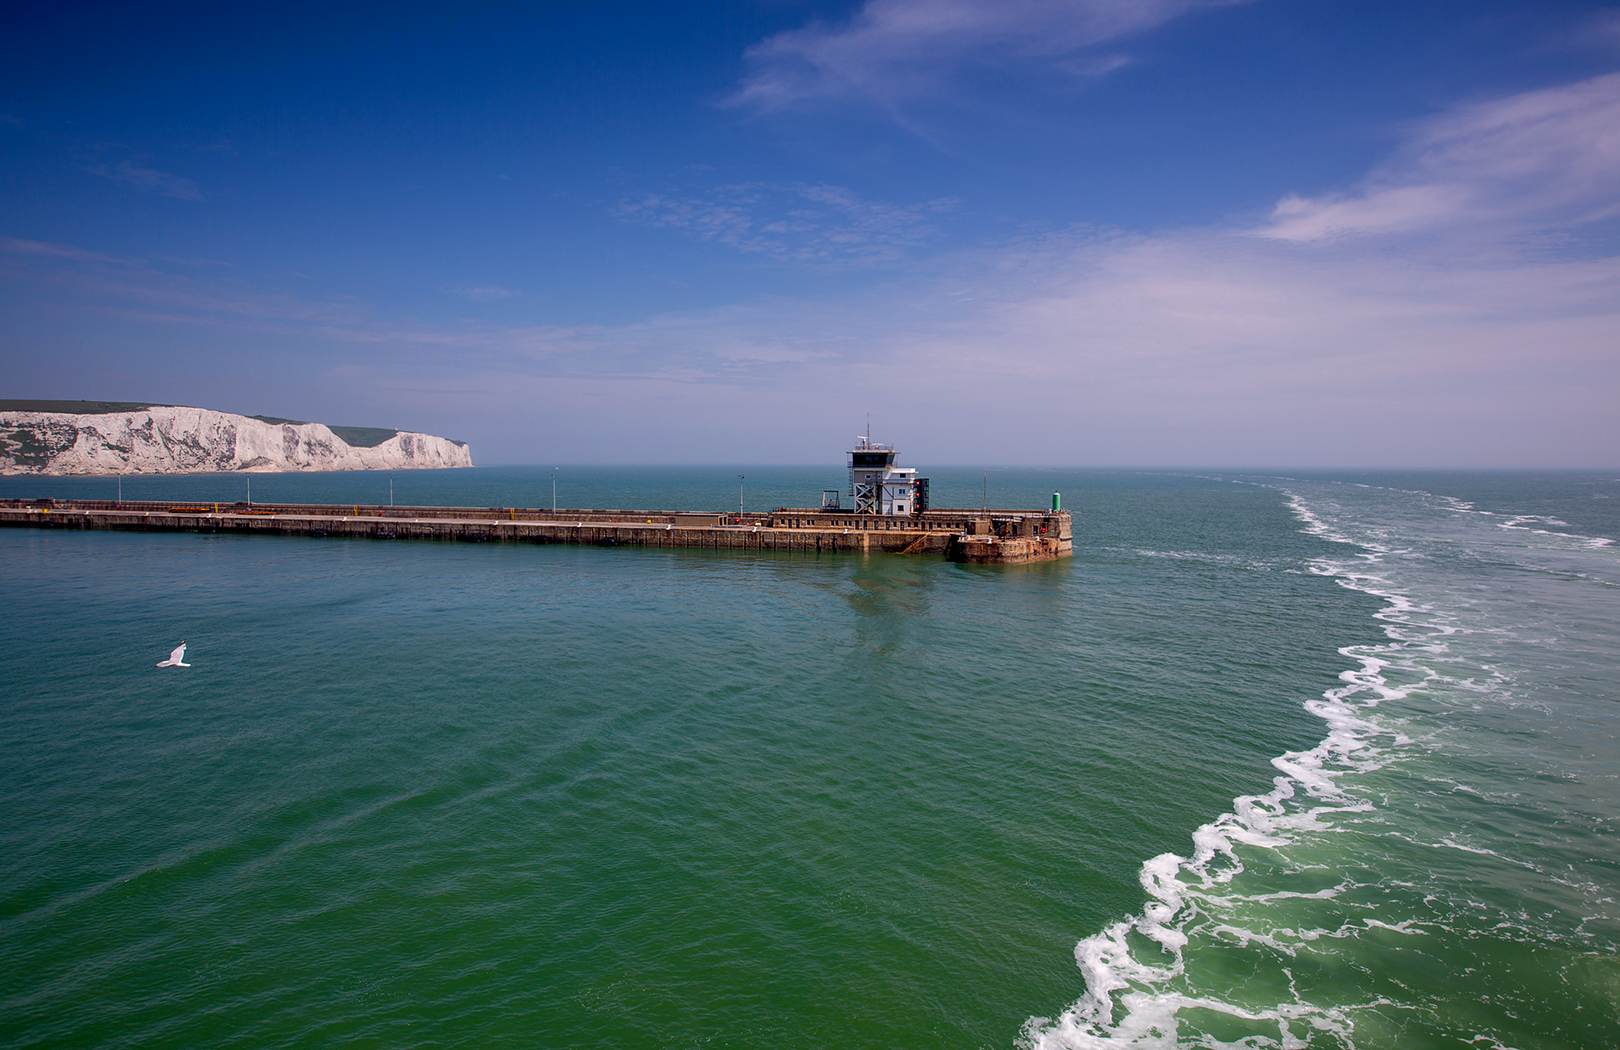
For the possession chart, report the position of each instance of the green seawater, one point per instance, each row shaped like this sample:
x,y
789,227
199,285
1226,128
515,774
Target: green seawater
x,y
427,794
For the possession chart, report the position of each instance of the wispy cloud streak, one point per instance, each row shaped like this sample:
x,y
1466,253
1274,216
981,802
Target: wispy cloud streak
x,y
1549,157
147,180
797,222
488,293
894,50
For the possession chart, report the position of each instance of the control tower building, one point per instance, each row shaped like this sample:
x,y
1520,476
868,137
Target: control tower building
x,y
880,487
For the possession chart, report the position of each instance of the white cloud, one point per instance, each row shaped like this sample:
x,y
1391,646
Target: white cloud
x,y
17,246
1543,157
895,49
796,222
146,180
488,293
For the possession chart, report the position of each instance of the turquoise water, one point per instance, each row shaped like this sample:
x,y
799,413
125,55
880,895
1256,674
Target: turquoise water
x,y
481,795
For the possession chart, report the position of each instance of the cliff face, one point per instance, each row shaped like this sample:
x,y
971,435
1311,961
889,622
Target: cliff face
x,y
162,440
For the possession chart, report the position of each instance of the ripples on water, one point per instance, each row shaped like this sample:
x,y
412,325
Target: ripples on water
x,y
1441,869
416,793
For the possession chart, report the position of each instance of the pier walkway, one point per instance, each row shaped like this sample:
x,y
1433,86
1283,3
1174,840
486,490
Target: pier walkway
x,y
994,536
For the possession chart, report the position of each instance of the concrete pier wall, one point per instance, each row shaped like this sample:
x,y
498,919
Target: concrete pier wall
x,y
998,536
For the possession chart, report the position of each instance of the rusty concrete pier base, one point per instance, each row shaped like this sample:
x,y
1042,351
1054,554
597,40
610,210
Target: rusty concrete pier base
x,y
985,537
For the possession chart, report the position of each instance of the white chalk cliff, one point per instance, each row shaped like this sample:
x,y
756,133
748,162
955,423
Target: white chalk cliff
x,y
164,440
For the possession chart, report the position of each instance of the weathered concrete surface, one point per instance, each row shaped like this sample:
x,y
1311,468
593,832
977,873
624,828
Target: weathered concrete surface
x,y
992,550
1001,536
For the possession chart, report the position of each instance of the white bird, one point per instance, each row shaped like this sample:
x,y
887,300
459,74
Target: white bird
x,y
176,658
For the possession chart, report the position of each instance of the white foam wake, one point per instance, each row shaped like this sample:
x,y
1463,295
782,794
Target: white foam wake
x,y
1132,969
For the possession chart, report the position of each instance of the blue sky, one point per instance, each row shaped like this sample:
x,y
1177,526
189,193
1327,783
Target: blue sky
x,y
1168,232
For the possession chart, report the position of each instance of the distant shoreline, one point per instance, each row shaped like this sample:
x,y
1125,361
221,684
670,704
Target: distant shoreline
x,y
137,439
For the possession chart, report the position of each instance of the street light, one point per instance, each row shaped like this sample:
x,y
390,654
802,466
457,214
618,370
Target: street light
x,y
390,490
739,498
554,489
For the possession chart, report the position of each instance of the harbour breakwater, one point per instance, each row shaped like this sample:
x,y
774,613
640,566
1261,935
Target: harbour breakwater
x,y
980,536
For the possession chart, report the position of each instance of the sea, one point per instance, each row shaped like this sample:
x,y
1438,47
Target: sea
x,y
1321,760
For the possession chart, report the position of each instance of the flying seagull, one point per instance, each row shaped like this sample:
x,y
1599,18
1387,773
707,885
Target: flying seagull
x,y
176,658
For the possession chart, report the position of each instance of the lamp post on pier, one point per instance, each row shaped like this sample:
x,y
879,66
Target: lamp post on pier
x,y
739,499
390,490
554,489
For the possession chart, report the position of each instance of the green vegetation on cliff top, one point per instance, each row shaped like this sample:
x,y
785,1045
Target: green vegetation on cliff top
x,y
362,437
354,437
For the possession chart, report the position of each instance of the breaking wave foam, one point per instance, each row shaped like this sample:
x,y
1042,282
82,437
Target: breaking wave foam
x,y
1134,970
